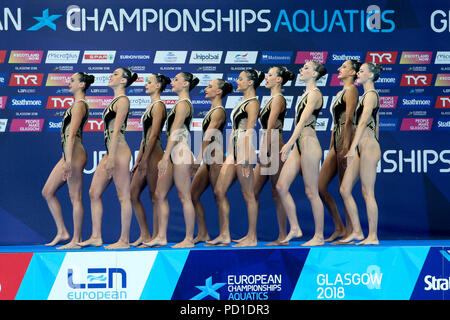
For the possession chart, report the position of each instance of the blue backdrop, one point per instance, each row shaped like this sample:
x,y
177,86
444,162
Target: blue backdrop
x,y
43,43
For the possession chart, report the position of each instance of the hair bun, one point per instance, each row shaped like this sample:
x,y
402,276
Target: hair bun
x,y
90,78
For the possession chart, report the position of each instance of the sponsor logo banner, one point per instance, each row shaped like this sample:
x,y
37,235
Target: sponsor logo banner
x,y
102,276
90,56
206,78
135,57
416,102
62,56
443,124
58,79
382,57
26,102
442,57
26,125
3,100
26,56
223,278
93,125
433,282
2,79
2,56
341,57
416,57
442,102
388,124
205,57
442,80
3,123
416,80
176,57
26,79
241,57
54,125
388,102
99,102
134,124
416,124
59,102
305,56
278,57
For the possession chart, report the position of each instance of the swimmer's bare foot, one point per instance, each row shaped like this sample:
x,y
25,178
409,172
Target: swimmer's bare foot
x,y
336,234
350,239
141,240
156,242
293,233
372,240
221,239
186,243
94,242
278,242
315,241
201,238
121,244
247,242
63,236
72,245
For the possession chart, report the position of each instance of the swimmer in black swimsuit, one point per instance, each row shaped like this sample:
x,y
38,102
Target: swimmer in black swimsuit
x,y
269,165
211,153
70,167
175,167
145,170
305,156
363,156
241,156
115,165
335,162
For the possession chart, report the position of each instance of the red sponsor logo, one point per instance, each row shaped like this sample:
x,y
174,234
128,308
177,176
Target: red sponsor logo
x,y
12,270
382,57
442,102
2,56
94,125
416,80
59,102
100,56
26,79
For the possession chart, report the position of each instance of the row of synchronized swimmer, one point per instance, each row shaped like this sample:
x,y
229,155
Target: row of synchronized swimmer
x,y
353,153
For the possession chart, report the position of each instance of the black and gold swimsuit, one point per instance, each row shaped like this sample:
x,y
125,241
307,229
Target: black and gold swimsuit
x,y
338,110
264,119
184,130
205,125
109,116
373,120
312,124
239,119
265,114
147,122
67,119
